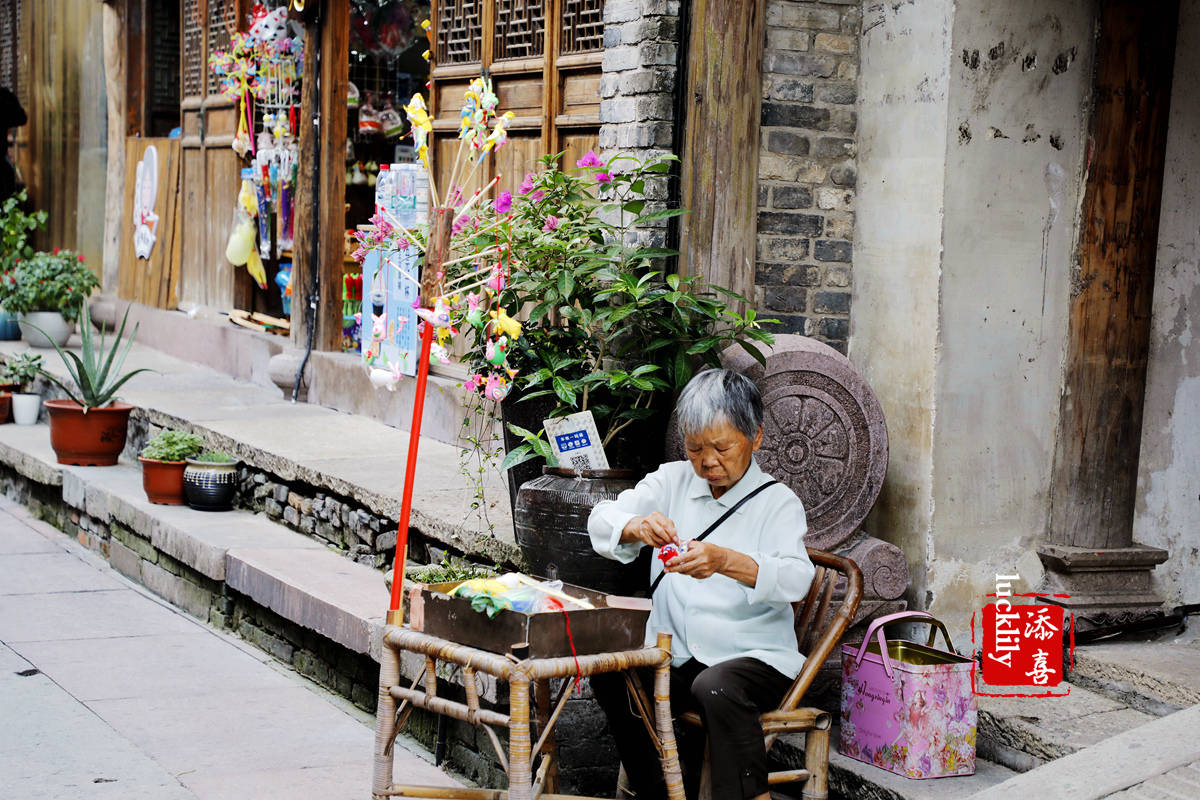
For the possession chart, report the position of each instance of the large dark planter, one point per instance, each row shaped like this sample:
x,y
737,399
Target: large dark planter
x,y
163,481
94,439
550,521
210,485
527,414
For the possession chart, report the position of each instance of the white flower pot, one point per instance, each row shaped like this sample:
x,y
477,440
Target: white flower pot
x,y
25,408
52,322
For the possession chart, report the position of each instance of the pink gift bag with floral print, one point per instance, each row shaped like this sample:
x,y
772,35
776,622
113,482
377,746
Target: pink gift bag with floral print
x,y
906,707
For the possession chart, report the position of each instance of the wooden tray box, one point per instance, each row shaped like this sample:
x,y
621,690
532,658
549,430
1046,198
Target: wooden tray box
x,y
599,630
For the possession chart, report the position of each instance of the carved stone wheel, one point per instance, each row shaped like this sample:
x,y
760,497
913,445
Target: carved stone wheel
x,y
824,434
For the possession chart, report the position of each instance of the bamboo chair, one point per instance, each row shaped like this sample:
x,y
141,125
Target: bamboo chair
x,y
817,638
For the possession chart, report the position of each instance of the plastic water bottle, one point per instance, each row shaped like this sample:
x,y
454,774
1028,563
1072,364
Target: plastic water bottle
x,y
383,189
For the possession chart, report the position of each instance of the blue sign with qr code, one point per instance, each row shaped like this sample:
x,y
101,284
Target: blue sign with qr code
x,y
572,441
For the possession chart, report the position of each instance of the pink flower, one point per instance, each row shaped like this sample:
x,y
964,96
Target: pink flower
x,y
464,222
504,202
551,223
81,259
603,177
526,185
402,243
590,159
55,251
538,195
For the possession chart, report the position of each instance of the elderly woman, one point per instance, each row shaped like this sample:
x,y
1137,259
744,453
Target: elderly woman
x,y
726,600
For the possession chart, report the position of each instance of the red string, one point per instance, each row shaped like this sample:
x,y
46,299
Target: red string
x,y
571,641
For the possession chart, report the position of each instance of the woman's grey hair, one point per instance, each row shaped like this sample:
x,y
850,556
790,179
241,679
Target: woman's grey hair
x,y
717,395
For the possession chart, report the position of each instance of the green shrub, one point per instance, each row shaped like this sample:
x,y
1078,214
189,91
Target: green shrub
x,y
172,445
214,457
23,369
57,281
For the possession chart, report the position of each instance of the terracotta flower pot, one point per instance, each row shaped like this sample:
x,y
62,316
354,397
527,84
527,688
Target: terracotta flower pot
x,y
94,439
163,481
5,406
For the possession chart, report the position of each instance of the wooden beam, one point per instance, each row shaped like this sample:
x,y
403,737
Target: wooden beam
x,y
114,182
306,234
335,79
719,169
1096,461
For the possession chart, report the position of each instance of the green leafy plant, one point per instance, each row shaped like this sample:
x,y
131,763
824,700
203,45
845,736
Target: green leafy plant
x,y
23,370
15,228
604,328
448,570
214,457
96,372
55,281
172,445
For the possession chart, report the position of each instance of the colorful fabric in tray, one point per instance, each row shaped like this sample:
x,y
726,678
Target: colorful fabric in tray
x,y
510,591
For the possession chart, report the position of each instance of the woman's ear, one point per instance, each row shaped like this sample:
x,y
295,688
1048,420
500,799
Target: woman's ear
x,y
758,437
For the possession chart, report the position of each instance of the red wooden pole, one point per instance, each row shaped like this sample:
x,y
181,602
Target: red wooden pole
x,y
431,288
395,615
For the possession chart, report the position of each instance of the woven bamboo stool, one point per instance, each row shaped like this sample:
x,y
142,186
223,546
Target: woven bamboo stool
x,y
522,676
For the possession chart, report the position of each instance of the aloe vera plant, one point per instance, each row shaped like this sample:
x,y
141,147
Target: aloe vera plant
x,y
93,372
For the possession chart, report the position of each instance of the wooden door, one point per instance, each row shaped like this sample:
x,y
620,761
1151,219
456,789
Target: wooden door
x,y
209,178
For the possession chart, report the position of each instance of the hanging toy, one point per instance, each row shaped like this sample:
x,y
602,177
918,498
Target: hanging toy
x,y
268,26
438,354
439,317
390,121
497,388
240,249
496,351
368,119
503,323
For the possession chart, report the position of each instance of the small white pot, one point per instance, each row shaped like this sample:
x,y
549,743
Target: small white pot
x,y
25,408
52,322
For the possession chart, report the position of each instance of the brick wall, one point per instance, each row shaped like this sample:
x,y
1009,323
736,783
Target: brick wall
x,y
806,167
637,89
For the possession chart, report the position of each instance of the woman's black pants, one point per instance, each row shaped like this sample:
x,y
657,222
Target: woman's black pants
x,y
729,697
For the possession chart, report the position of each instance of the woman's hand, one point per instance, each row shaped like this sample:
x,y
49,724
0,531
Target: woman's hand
x,y
654,529
703,560
700,560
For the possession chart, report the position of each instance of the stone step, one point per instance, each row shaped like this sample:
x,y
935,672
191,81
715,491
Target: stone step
x,y
1157,677
850,779
1023,733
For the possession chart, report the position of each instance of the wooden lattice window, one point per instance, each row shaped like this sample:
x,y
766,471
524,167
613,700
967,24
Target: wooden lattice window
x,y
520,29
460,24
582,26
10,46
193,50
222,23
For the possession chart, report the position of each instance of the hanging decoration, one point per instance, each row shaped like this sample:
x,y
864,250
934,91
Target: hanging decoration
x,y
145,193
472,225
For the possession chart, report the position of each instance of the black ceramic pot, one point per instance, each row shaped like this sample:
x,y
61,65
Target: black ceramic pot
x,y
210,485
550,522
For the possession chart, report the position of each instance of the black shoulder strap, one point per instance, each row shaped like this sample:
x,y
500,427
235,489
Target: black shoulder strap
x,y
716,525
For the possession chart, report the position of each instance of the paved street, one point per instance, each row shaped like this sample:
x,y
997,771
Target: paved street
x,y
108,692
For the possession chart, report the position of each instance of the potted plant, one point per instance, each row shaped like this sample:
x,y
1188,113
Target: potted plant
x,y
210,481
603,328
15,228
21,371
164,459
47,290
89,428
